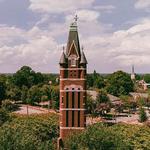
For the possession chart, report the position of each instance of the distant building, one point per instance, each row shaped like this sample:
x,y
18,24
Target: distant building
x,y
133,74
72,87
113,99
136,96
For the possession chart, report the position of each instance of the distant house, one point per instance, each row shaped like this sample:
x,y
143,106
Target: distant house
x,y
136,96
143,84
113,99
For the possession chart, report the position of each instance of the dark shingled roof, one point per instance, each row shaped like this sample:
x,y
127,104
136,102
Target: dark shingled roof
x,y
73,36
63,59
83,58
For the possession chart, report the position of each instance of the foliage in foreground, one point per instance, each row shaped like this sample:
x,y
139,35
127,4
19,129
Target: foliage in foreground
x,y
35,132
116,137
4,116
142,115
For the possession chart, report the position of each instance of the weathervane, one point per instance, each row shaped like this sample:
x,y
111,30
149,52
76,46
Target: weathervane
x,y
76,18
74,23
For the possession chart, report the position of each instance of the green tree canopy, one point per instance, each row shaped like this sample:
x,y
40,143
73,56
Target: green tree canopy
x,y
2,88
95,80
34,94
97,137
27,77
35,132
115,137
147,78
119,83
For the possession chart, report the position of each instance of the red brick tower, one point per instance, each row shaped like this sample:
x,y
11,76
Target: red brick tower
x,y
72,86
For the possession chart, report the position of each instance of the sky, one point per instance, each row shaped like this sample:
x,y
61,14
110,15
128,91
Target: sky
x,y
115,34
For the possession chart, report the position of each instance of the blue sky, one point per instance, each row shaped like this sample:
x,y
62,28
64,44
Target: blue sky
x,y
115,33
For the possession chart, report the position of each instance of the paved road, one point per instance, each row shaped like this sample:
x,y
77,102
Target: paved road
x,y
32,110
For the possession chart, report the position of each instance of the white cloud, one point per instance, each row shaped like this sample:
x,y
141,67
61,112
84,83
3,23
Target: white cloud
x,y
142,4
105,8
58,6
121,48
11,36
38,51
106,51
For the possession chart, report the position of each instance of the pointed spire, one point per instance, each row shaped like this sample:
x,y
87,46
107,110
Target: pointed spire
x,y
73,36
83,58
132,69
133,73
63,58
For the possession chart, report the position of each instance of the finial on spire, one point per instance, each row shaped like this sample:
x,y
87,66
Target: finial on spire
x,y
73,26
76,18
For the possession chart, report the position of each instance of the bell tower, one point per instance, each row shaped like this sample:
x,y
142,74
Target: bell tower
x,y
73,66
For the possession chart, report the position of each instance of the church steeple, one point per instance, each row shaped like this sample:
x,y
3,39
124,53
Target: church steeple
x,y
73,38
133,73
132,69
73,72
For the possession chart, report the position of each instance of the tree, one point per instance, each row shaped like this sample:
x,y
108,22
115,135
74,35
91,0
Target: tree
x,y
95,80
39,78
2,88
119,83
142,115
24,94
138,77
4,116
34,95
46,91
89,81
102,97
14,93
97,137
147,78
90,105
34,132
24,77
102,102
9,106
55,96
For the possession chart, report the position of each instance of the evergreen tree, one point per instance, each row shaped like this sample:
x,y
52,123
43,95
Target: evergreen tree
x,y
142,115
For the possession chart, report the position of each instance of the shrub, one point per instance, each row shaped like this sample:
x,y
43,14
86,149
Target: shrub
x,y
9,105
4,116
142,115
